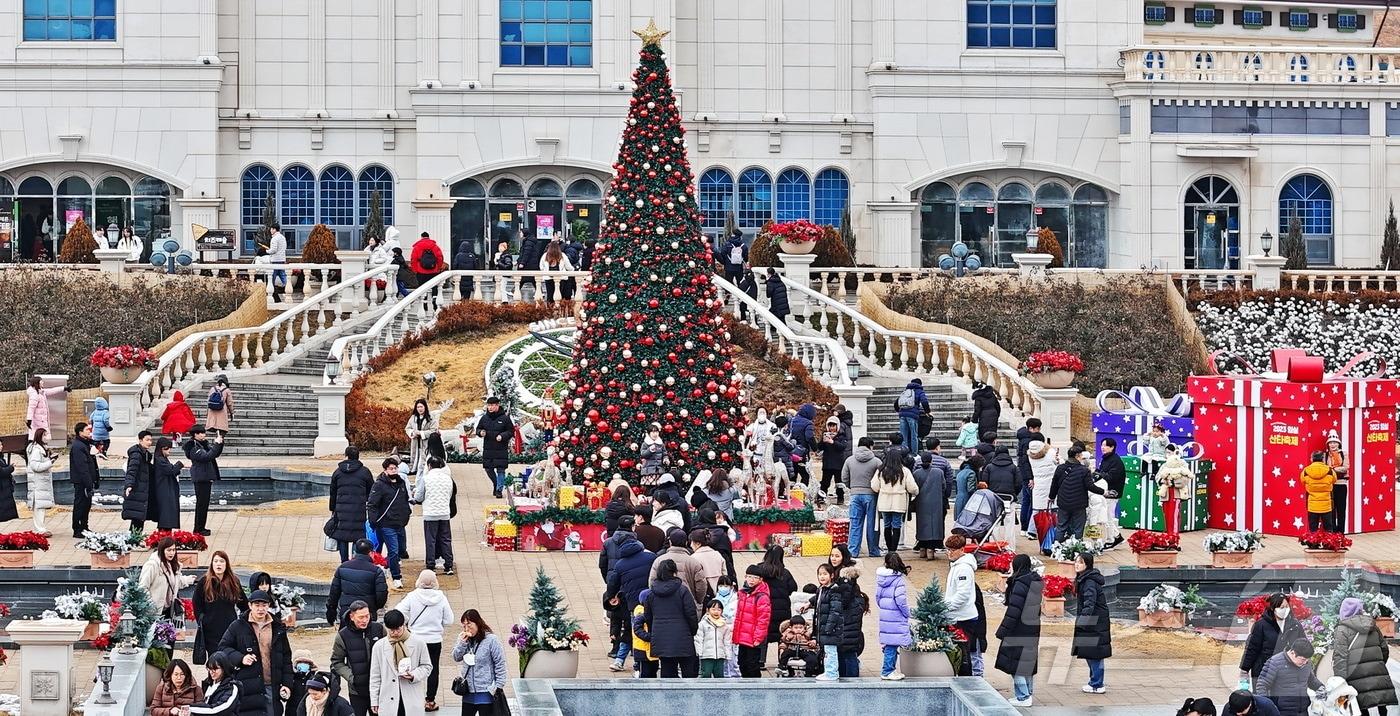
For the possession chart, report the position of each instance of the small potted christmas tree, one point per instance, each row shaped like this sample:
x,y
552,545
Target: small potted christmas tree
x,y
548,637
936,650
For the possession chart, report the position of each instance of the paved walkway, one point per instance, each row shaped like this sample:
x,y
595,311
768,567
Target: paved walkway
x,y
1148,668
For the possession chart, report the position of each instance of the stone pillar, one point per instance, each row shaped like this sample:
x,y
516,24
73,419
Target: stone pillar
x,y
353,263
856,398
45,682
894,243
208,33
128,687
1055,413
113,262
330,419
798,268
58,407
197,210
434,217
1268,271
124,401
1032,266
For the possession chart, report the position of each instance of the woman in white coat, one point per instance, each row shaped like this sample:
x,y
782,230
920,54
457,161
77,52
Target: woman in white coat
x,y
422,422
399,667
40,490
1043,459
428,614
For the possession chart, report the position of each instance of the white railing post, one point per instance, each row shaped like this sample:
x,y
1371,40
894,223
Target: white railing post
x,y
1268,271
856,398
330,419
1054,413
354,263
46,671
113,262
124,402
1033,266
798,269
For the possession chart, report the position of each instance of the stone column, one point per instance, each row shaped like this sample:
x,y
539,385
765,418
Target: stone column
x,y
113,262
208,33
435,217
471,43
201,210
427,44
774,62
1055,413
798,268
58,406
45,682
330,419
894,243
247,61
1268,271
352,264
316,60
1033,266
388,97
856,398
124,401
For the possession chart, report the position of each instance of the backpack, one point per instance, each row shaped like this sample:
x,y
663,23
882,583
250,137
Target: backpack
x,y
216,399
736,255
428,260
907,399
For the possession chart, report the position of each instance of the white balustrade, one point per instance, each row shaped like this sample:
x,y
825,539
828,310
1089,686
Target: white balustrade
x,y
1334,280
1188,280
915,352
1275,65
822,356
315,277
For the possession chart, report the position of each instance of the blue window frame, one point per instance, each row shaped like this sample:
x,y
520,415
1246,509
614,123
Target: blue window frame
x,y
337,197
716,197
258,180
70,20
1346,21
754,201
831,195
1021,24
1156,14
546,33
1298,19
1204,16
1309,199
298,200
1252,18
794,196
372,179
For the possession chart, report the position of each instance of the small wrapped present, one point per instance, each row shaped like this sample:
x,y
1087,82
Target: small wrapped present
x,y
837,512
791,543
839,529
569,496
502,544
597,496
820,515
492,511
798,495
818,544
504,528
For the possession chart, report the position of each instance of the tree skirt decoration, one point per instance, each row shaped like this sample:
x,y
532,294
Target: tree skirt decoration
x,y
653,348
1261,429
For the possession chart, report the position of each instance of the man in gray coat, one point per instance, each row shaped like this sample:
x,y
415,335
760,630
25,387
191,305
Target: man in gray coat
x,y
860,468
691,572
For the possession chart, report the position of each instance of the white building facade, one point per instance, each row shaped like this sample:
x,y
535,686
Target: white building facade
x,y
1166,133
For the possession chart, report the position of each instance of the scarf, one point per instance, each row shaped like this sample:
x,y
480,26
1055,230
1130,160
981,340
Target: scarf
x,y
400,651
314,707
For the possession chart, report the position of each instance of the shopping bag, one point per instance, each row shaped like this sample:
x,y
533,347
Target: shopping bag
x,y
330,545
1044,522
371,534
1047,541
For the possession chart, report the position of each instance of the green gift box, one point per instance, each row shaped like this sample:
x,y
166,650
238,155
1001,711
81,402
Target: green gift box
x,y
1141,510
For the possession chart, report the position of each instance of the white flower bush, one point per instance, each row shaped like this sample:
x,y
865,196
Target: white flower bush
x,y
112,544
88,606
1069,548
1378,605
287,599
1242,541
1334,331
1163,598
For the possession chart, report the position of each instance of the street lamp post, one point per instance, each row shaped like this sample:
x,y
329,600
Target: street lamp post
x,y
1266,241
962,260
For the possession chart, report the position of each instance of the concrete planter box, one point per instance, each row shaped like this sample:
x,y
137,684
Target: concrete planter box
x,y
1324,558
16,558
1386,625
925,663
189,559
1235,560
99,560
1157,559
1174,619
1052,607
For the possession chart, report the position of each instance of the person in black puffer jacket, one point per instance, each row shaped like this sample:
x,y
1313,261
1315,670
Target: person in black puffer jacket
x,y
853,626
257,669
350,655
619,505
350,486
388,512
1360,655
833,598
777,295
357,579
781,585
672,619
708,518
1271,633
1001,474
531,250
986,408
1070,490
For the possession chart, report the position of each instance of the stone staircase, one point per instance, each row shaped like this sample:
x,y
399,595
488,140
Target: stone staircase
x,y
949,408
274,416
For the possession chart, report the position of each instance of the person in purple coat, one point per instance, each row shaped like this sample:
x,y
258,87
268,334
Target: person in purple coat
x,y
892,598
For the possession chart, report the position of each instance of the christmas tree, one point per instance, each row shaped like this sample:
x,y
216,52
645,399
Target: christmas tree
x,y
78,245
653,348
1331,608
503,386
1390,248
931,621
547,626
1293,247
374,227
269,216
135,599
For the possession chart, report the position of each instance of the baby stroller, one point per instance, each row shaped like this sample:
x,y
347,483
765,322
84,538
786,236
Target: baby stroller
x,y
799,663
986,518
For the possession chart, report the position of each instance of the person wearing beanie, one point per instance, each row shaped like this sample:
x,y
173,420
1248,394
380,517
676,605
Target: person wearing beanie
x,y
1069,490
1336,458
1246,703
1360,655
304,671
690,571
322,700
754,610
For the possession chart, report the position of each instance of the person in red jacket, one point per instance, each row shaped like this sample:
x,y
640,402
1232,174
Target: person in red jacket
x,y
426,259
751,617
177,418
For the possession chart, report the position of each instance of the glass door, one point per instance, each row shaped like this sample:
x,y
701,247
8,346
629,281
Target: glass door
x,y
547,220
1210,238
506,223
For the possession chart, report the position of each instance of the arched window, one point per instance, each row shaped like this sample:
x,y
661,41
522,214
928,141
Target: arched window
x,y
6,188
1309,200
337,198
298,200
977,218
468,189
507,189
832,194
1298,68
1014,218
1204,62
113,186
1211,220
258,182
1346,67
1052,212
716,197
469,217
1152,64
1088,239
794,199
74,186
375,178
1253,64
151,186
755,198
938,225
584,190
545,189
35,186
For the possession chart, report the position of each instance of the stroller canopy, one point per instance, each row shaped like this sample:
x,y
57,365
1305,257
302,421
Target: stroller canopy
x,y
980,514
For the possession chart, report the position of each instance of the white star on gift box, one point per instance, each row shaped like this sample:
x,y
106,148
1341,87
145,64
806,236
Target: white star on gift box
x,y
1268,414
1390,517
1278,471
1278,390
1292,483
1202,410
1336,388
1229,420
1226,478
1276,523
1372,469
1314,417
1220,385
1229,519
1373,522
1365,501
1297,523
1268,502
1287,500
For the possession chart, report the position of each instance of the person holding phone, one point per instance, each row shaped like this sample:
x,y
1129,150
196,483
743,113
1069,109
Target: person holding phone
x,y
399,666
483,665
256,648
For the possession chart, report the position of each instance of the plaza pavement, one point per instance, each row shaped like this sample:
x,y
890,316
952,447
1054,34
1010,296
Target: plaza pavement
x,y
1147,669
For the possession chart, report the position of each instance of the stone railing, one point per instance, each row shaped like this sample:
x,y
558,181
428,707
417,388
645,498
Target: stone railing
x,y
240,349
823,357
1187,280
315,277
941,355
1275,65
1341,280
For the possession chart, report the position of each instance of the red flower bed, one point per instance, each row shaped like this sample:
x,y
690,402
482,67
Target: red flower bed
x,y
1144,541
800,231
1000,562
14,541
1057,586
189,541
122,357
1047,361
1254,607
1331,541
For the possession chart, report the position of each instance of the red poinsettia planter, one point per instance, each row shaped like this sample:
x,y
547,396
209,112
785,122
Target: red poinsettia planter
x,y
1155,550
1324,549
17,549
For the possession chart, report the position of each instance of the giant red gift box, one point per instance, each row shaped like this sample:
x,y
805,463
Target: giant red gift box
x,y
1260,430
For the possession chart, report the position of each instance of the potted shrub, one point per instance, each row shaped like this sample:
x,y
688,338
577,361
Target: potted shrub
x,y
188,545
1155,549
110,550
287,601
1053,594
547,638
1166,607
1325,549
934,649
122,364
795,237
1066,550
1382,609
1233,549
17,548
1052,369
1001,564
84,606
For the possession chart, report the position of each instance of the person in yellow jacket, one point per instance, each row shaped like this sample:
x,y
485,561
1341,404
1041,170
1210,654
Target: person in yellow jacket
x,y
648,666
1318,479
1173,485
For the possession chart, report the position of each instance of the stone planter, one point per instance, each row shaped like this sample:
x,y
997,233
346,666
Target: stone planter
x,y
188,559
552,665
798,247
92,631
1053,379
1052,607
1237,560
16,558
1157,559
1386,625
121,376
1001,584
1174,619
1324,557
290,621
100,561
925,663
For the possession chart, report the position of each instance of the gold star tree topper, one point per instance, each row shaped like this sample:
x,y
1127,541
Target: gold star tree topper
x,y
651,34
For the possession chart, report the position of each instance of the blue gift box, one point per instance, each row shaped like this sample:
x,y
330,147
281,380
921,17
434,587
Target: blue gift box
x,y
1128,427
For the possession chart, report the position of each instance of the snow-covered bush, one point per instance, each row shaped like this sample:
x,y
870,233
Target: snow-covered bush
x,y
1337,329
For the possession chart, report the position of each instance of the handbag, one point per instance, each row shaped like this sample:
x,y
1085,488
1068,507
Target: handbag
x,y
371,534
330,545
459,686
329,528
499,705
